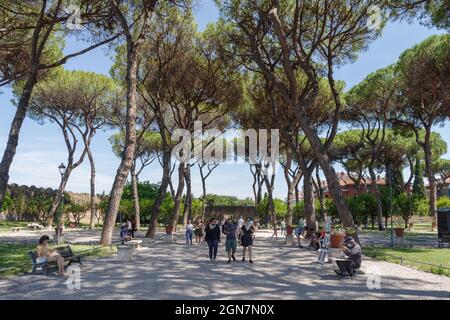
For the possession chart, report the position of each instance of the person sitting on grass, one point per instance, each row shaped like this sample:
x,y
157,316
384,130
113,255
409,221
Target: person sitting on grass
x,y
348,266
46,255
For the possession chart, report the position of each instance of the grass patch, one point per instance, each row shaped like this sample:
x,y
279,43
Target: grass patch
x,y
14,258
6,226
418,258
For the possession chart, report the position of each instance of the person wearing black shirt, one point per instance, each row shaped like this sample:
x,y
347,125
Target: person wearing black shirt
x,y
212,238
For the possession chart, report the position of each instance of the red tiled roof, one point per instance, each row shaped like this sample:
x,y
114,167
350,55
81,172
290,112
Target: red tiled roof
x,y
345,180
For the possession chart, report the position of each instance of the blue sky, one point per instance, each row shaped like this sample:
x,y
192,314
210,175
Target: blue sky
x,y
41,148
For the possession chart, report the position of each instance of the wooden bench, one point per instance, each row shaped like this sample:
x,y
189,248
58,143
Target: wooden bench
x,y
65,252
135,243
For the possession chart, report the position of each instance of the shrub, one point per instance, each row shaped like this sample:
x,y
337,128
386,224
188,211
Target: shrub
x,y
443,202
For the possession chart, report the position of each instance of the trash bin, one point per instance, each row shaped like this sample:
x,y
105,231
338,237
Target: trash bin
x,y
443,225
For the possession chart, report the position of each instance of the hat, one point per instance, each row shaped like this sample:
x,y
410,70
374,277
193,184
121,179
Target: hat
x,y
348,239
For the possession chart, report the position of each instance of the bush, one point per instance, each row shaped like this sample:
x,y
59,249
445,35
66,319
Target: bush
x,y
443,202
362,207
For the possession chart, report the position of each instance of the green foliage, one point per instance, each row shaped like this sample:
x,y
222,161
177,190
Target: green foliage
x,y
7,203
362,206
29,203
221,200
432,13
443,202
331,208
419,185
280,208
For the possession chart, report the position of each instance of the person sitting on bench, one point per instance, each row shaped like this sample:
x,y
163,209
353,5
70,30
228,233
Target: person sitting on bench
x,y
348,266
47,255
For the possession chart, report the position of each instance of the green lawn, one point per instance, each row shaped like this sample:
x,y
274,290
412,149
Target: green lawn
x,y
14,258
421,257
5,226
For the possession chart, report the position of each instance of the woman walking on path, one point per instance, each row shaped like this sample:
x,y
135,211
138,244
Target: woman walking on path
x,y
189,232
198,232
248,231
212,237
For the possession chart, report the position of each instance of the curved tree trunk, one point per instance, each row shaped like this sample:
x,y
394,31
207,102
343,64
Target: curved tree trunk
x,y
128,154
135,196
187,210
93,204
177,200
57,200
160,196
13,137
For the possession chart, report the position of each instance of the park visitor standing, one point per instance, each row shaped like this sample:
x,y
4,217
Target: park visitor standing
x,y
230,229
212,238
198,232
299,231
248,235
189,232
283,227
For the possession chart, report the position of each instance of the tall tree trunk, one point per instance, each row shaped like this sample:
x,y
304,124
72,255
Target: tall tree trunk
x,y
270,204
135,196
323,208
13,137
310,212
57,200
324,161
376,191
93,204
160,196
178,195
290,204
291,183
186,212
429,172
130,142
203,197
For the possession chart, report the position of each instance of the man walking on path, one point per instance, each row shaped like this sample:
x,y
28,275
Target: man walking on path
x,y
229,229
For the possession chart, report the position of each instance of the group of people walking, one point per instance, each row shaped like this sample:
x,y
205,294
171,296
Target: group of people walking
x,y
240,231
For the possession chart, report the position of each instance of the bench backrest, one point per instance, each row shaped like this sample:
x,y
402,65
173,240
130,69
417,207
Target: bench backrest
x,y
65,251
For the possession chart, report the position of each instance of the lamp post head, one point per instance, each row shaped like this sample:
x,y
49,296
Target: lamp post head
x,y
62,169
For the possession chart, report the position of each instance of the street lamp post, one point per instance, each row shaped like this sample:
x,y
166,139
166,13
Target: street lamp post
x,y
389,174
62,171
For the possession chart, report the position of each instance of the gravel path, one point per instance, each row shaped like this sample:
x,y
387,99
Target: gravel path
x,y
176,271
